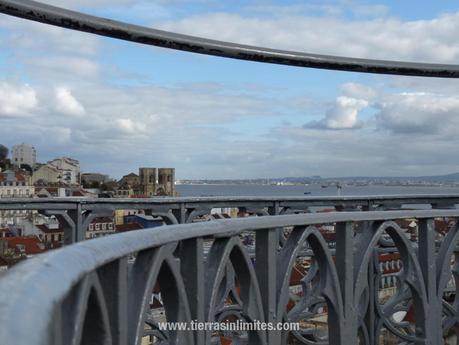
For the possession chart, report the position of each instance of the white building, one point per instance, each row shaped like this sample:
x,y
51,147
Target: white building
x,y
69,168
46,174
24,154
14,185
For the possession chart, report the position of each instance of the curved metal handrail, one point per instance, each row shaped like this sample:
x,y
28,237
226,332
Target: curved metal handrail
x,y
218,200
52,15
52,275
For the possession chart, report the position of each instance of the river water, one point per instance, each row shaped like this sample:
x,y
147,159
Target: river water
x,y
300,190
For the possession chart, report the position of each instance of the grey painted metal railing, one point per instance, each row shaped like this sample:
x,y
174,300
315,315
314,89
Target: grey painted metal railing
x,y
75,214
43,13
98,291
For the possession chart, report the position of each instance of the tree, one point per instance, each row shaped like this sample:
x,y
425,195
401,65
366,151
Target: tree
x,y
27,167
3,153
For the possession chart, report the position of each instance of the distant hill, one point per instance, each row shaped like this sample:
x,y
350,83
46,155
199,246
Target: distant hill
x,y
449,178
454,177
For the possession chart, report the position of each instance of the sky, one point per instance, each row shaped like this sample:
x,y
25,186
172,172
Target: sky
x,y
117,105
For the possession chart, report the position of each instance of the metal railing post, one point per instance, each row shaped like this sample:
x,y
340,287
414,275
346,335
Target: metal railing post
x,y
345,270
432,324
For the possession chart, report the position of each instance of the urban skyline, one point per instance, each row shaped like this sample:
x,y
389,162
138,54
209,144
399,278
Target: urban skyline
x,y
438,178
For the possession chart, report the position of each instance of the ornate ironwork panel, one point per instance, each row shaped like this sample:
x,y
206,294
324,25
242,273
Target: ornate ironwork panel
x,y
329,276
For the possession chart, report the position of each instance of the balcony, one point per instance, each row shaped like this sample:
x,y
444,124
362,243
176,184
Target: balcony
x,y
373,270
100,291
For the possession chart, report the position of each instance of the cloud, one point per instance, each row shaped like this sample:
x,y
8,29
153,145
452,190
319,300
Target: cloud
x,y
17,100
419,112
66,103
88,3
35,38
63,135
343,115
130,126
384,38
216,124
376,10
357,90
79,67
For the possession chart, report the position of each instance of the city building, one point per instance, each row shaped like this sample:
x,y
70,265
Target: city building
x,y
121,214
46,175
24,154
14,185
101,226
94,179
131,180
65,171
69,168
124,192
145,221
157,182
62,192
150,182
21,246
128,227
52,234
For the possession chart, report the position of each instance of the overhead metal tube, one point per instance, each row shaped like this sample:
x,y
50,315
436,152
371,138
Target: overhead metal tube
x,y
68,19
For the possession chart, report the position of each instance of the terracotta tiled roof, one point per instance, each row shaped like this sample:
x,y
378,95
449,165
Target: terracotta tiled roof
x,y
32,244
18,177
102,220
128,227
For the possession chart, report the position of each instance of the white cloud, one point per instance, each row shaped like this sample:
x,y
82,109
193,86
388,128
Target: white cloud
x,y
33,37
376,10
419,112
66,103
343,115
62,135
75,66
194,124
385,38
130,126
17,100
88,3
360,91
